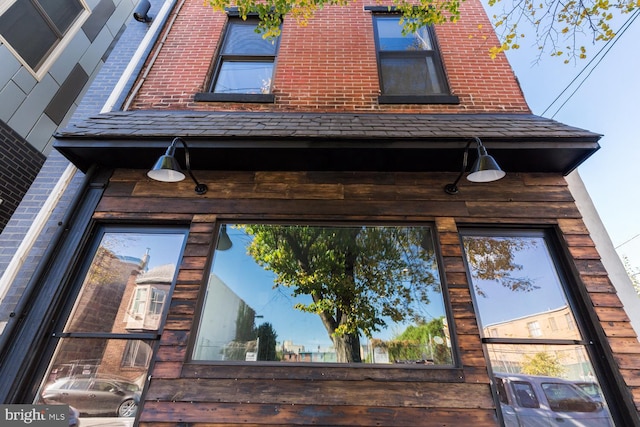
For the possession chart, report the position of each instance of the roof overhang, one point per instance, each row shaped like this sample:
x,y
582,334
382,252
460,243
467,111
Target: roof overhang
x,y
315,141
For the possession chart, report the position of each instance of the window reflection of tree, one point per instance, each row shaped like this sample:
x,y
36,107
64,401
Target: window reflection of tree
x,y
356,276
493,258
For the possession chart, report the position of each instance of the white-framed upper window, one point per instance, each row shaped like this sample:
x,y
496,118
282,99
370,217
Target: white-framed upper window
x,y
36,31
146,307
534,329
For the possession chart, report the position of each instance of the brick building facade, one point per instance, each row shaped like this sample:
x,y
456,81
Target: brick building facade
x,y
321,146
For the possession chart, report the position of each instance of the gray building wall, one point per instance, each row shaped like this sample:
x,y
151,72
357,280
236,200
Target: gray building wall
x,y
112,63
32,108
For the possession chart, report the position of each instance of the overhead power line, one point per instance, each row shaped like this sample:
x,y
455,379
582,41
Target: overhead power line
x,y
598,57
627,241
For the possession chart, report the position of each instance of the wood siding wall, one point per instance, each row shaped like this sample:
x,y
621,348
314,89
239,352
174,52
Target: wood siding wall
x,y
182,394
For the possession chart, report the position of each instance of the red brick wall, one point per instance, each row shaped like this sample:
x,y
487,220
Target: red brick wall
x,y
330,65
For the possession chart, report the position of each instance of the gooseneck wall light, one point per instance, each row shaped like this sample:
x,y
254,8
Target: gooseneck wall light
x,y
485,168
167,168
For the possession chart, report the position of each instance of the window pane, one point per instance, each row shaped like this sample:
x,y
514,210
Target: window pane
x,y
558,380
62,12
117,290
325,294
137,354
566,361
517,274
241,39
250,77
390,37
519,294
87,374
27,32
409,76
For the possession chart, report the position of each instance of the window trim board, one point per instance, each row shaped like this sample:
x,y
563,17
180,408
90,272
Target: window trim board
x,y
265,98
418,99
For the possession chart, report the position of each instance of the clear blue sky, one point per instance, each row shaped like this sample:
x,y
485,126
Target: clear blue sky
x,y
607,103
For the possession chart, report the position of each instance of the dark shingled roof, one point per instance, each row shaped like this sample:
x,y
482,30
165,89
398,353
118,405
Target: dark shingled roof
x,y
321,125
267,140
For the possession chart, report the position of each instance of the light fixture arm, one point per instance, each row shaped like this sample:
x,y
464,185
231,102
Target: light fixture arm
x,y
484,169
200,188
453,187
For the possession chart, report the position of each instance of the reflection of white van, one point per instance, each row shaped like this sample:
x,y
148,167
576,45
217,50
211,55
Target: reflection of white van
x,y
533,401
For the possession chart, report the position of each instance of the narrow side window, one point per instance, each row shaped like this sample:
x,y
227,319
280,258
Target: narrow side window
x,y
103,349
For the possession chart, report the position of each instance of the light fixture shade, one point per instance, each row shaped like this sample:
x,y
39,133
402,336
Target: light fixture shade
x,y
224,242
485,168
167,168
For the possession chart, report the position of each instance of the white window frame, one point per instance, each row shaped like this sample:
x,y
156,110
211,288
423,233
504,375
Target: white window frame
x,y
534,329
143,312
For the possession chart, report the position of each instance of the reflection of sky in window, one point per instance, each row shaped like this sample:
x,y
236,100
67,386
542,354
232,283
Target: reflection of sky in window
x,y
500,304
255,286
163,248
244,77
390,36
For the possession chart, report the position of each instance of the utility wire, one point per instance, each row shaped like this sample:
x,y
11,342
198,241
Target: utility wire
x,y
627,241
608,47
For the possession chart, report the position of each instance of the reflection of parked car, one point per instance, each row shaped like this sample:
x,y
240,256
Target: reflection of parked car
x,y
95,395
533,401
591,388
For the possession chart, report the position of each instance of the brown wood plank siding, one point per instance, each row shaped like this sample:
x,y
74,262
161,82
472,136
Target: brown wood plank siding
x,y
270,415
182,393
621,337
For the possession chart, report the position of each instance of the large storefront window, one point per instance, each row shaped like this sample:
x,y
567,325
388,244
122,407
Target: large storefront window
x,y
312,293
102,357
542,371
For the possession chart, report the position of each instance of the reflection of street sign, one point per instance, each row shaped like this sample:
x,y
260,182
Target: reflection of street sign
x,y
438,340
251,356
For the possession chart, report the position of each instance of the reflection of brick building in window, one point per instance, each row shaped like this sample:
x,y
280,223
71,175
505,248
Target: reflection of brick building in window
x,y
102,291
556,324
140,309
114,286
551,324
97,310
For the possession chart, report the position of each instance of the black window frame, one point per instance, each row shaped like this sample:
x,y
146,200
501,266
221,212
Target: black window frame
x,y
73,288
450,372
389,98
593,337
24,49
221,58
